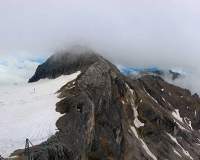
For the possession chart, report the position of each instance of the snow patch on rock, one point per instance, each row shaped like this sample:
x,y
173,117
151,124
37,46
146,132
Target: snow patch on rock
x,y
144,145
137,122
176,115
151,96
175,151
188,122
184,151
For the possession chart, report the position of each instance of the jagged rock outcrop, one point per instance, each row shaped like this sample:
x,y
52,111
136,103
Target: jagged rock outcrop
x,y
107,116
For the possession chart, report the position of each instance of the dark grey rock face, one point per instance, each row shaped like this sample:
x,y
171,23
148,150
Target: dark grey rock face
x,y
110,117
64,63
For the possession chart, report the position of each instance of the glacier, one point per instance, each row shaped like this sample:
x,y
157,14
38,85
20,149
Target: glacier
x,y
28,111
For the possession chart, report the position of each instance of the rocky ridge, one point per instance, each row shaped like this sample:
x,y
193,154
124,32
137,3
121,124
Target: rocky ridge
x,y
108,116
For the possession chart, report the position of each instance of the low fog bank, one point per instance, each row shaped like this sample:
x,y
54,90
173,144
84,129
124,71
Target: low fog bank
x,y
18,69
189,81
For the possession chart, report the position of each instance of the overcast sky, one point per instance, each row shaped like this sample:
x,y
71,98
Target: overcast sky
x,y
163,33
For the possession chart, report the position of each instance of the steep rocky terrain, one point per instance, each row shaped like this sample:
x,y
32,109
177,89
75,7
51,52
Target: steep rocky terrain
x,y
107,116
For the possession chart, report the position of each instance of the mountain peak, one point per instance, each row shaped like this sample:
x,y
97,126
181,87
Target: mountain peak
x,y
64,63
106,115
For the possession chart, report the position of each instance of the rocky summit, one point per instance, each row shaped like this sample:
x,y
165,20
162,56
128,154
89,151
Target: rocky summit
x,y
109,116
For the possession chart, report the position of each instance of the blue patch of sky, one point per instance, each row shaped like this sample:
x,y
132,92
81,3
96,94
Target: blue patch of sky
x,y
4,63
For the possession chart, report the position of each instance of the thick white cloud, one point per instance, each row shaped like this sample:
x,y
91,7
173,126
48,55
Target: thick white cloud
x,y
16,69
131,32
139,28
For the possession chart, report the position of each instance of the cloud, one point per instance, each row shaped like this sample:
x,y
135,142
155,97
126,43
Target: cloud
x,y
131,32
16,70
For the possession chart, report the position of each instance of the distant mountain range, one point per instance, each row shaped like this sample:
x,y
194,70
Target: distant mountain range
x,y
135,72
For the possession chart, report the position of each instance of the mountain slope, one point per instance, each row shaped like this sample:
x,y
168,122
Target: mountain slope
x,y
28,111
109,116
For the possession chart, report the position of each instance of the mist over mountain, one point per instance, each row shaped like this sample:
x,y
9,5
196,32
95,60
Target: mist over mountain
x,y
131,33
99,80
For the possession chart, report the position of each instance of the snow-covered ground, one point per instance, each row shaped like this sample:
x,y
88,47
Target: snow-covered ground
x,y
28,111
